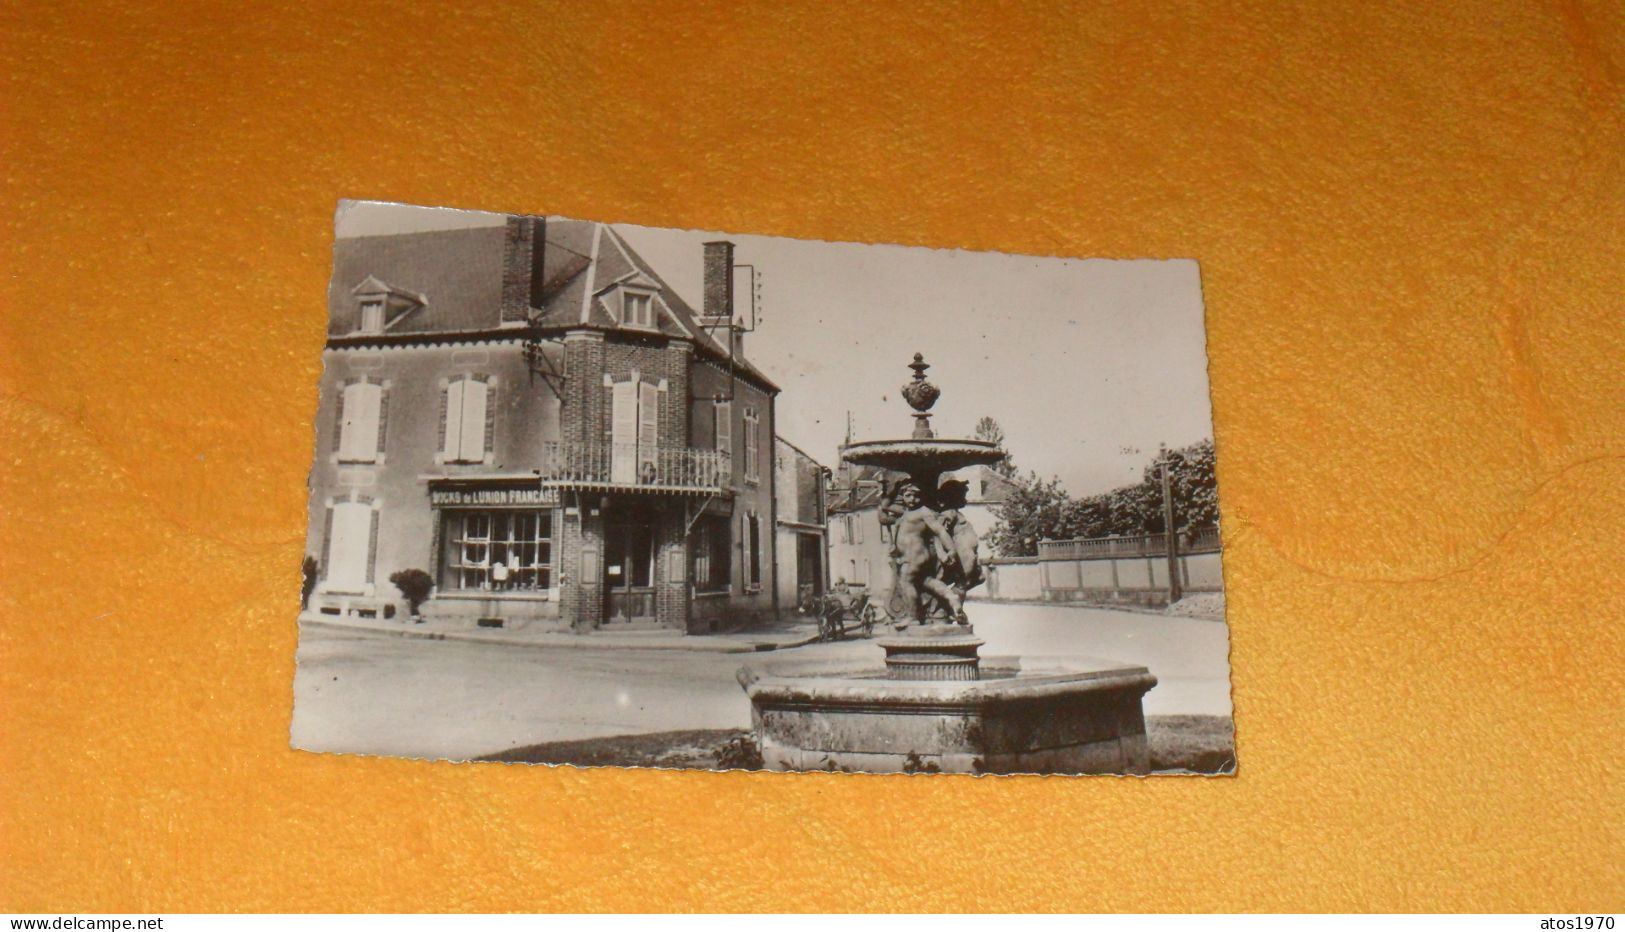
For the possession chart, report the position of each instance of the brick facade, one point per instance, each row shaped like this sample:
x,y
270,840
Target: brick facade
x,y
581,541
584,403
671,570
594,361
525,239
485,318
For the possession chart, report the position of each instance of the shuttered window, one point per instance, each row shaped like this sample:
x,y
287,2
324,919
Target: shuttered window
x,y
648,431
753,559
752,445
637,309
349,546
361,422
623,428
372,316
722,425
634,427
466,420
710,547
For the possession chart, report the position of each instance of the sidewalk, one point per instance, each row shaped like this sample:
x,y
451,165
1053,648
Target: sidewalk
x,y
778,634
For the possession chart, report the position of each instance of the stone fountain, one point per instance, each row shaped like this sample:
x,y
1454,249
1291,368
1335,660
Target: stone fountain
x,y
936,704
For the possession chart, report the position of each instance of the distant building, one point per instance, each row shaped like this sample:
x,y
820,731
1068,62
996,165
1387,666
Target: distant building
x,y
986,491
799,493
859,548
532,416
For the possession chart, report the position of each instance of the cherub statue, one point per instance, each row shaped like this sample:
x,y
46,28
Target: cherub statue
x,y
921,549
965,567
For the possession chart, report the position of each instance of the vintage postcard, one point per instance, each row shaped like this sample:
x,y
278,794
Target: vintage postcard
x,y
601,494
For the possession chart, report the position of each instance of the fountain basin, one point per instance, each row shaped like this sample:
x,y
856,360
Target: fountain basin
x,y
924,459
1024,715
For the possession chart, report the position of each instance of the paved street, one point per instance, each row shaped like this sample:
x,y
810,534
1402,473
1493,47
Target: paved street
x,y
381,694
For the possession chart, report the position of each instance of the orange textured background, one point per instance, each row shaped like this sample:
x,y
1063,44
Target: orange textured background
x,y
1410,221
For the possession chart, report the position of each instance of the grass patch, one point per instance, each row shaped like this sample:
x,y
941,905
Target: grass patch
x,y
697,749
1202,744
1191,743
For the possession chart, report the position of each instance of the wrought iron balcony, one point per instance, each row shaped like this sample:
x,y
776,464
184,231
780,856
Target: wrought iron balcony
x,y
605,465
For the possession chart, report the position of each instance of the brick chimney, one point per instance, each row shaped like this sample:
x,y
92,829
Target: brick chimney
x,y
523,251
718,313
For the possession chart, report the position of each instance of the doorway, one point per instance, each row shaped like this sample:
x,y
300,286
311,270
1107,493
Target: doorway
x,y
809,566
629,568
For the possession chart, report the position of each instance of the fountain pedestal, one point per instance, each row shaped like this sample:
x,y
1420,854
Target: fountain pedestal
x,y
932,652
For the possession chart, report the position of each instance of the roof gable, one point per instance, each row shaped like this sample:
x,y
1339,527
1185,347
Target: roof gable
x,y
456,278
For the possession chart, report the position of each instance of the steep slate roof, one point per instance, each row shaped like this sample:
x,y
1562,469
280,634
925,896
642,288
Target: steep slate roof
x,y
459,273
995,488
862,491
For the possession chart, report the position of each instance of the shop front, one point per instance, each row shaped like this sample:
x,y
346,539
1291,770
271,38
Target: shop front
x,y
495,552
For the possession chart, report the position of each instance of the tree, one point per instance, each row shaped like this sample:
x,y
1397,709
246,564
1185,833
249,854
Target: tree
x,y
1034,510
1194,487
989,430
1038,510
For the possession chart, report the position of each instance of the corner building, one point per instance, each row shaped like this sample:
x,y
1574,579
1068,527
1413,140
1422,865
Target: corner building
x,y
532,416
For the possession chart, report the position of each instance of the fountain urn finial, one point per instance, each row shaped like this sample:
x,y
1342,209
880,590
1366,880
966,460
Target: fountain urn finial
x,y
921,395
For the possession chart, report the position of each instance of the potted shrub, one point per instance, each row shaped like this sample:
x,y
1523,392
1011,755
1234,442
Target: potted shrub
x,y
415,586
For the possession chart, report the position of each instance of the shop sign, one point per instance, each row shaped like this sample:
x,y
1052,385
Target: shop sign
x,y
468,498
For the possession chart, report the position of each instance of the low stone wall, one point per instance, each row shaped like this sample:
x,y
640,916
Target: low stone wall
x,y
1107,580
1010,579
1129,580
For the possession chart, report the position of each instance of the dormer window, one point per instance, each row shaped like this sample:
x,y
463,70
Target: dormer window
x,y
637,309
379,305
372,315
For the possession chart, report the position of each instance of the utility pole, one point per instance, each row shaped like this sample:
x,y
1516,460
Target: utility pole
x,y
1170,541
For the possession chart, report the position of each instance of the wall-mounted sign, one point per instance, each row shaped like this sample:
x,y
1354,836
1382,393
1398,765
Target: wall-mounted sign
x,y
493,497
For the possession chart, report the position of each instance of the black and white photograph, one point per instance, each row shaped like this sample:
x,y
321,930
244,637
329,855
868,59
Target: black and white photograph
x,y
599,494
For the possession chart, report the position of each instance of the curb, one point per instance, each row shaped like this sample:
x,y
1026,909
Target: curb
x,y
1105,606
563,641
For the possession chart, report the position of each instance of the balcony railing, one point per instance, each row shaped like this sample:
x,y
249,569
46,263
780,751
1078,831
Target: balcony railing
x,y
632,465
1202,540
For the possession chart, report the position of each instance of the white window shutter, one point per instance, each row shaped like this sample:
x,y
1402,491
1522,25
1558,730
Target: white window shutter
x,y
347,414
648,425
725,426
623,427
472,444
359,443
453,427
349,546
